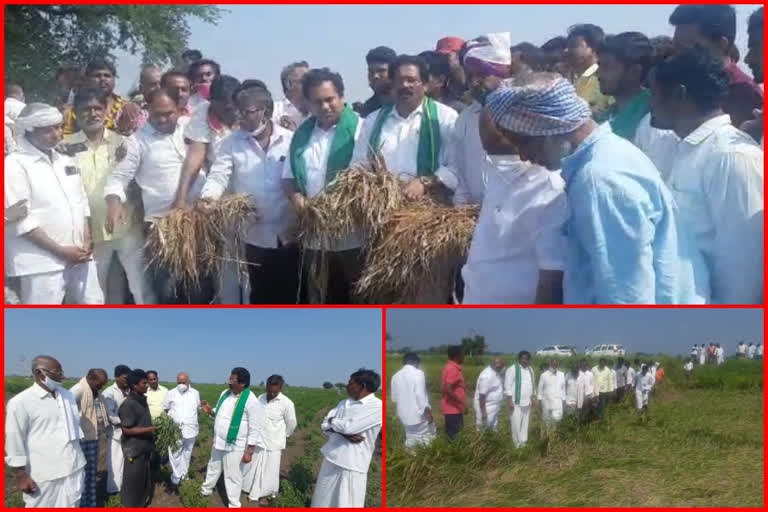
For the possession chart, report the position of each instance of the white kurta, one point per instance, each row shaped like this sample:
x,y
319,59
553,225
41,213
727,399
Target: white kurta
x,y
182,409
491,385
643,386
339,488
521,412
408,390
472,162
113,399
551,392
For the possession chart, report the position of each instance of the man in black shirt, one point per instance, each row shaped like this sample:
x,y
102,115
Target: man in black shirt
x,y
138,442
379,60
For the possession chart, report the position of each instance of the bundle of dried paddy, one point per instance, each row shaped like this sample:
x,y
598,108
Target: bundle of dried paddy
x,y
415,258
194,243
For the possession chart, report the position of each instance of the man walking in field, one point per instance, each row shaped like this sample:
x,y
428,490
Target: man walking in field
x,y
93,420
114,396
489,395
453,392
574,391
262,477
551,392
603,384
181,404
411,397
589,390
520,387
352,428
137,442
643,386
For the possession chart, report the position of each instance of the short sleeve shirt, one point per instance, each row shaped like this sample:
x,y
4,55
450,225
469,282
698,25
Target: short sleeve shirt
x,y
134,412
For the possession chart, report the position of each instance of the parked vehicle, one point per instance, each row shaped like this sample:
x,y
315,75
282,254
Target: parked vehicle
x,y
557,351
607,350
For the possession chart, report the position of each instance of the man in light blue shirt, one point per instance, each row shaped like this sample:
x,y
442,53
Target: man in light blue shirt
x,y
626,243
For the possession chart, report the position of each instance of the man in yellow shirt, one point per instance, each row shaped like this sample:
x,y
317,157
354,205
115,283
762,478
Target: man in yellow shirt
x,y
155,395
96,151
603,384
581,53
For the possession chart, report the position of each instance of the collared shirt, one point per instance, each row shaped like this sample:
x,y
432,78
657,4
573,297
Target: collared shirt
x,y
194,102
587,86
408,390
644,383
527,385
551,386
471,159
658,145
201,129
95,165
280,421
621,376
284,108
614,380
134,412
182,409
315,164
110,118
155,400
627,243
251,430
154,160
631,376
350,416
77,393
113,399
575,388
452,378
56,202
36,435
717,180
490,384
760,350
370,106
751,351
519,232
400,143
741,348
257,173
589,383
603,379
744,95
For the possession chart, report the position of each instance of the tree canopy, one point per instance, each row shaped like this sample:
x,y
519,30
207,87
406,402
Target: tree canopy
x,y
40,38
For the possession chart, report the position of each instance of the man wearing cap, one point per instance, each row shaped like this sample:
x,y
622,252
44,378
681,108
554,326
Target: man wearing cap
x,y
625,243
379,60
50,249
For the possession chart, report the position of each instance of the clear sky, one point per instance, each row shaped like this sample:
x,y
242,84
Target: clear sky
x,y
305,346
256,41
669,331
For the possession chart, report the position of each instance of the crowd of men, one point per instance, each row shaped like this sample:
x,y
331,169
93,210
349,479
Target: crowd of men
x,y
582,392
52,437
609,168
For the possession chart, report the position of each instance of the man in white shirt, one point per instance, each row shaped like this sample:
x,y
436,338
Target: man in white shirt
x,y
42,440
717,174
237,431
114,396
621,378
181,404
702,354
518,248
574,391
751,350
719,354
489,395
759,352
643,385
293,110
590,392
352,428
154,157
14,104
688,367
485,64
202,73
551,393
631,373
415,135
320,149
49,249
520,389
262,475
741,350
408,391
93,421
250,161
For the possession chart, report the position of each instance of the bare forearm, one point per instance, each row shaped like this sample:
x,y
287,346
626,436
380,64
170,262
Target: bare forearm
x,y
191,168
38,237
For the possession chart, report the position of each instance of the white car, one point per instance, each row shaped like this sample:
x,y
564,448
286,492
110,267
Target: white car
x,y
607,350
555,350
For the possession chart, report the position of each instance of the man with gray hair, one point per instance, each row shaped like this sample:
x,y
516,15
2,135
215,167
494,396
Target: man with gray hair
x,y
489,394
50,250
182,403
42,440
626,241
293,110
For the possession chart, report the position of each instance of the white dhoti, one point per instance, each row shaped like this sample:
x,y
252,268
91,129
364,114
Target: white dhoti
x,y
262,475
339,488
420,434
179,459
641,399
492,410
79,284
551,412
114,465
519,424
232,465
63,492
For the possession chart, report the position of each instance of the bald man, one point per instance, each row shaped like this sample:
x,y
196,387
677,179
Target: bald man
x,y
93,421
42,440
181,404
489,395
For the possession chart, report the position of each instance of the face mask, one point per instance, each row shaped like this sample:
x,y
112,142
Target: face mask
x,y
182,388
504,162
203,90
51,384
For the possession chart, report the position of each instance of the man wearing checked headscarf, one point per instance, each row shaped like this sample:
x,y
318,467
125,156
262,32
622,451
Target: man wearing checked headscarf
x,y
626,243
49,249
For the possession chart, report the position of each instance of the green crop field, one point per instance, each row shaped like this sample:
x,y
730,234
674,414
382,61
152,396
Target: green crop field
x,y
299,466
701,446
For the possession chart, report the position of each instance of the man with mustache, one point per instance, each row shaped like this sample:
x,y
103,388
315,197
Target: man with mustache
x,y
413,136
379,61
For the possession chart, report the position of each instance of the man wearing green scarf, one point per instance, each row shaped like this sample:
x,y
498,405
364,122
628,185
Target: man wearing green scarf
x,y
415,135
520,388
237,430
320,149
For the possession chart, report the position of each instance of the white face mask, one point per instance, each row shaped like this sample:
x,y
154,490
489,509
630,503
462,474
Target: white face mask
x,y
50,383
182,388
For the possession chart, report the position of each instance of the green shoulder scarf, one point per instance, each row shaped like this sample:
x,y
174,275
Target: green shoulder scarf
x,y
428,158
625,122
237,417
519,381
341,148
